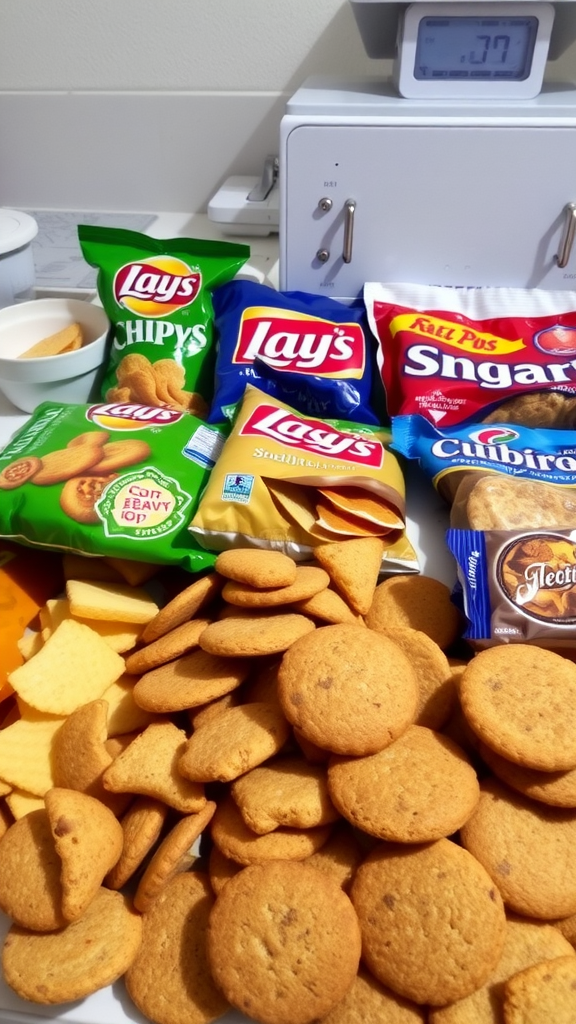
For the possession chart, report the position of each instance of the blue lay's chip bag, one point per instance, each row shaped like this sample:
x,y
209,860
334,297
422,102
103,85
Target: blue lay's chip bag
x,y
307,350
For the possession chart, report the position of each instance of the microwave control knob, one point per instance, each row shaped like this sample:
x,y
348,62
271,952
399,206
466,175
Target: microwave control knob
x,y
325,204
323,255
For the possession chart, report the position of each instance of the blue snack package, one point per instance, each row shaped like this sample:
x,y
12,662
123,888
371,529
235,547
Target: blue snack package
x,y
310,351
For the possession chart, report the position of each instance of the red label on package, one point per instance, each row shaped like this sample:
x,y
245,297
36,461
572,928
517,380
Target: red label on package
x,y
300,343
311,435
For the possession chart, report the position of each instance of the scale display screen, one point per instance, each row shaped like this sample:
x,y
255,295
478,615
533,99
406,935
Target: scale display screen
x,y
475,48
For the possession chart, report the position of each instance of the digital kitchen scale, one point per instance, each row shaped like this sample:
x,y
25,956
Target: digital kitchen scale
x,y
459,169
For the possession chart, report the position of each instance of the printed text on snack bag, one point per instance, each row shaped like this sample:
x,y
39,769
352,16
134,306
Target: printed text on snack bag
x,y
311,435
298,342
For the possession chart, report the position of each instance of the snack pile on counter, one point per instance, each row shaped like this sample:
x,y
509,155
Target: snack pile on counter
x,y
251,758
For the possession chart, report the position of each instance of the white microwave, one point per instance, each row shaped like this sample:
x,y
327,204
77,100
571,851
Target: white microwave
x,y
377,187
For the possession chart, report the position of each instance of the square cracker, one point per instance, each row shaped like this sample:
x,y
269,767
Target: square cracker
x,y
110,601
74,666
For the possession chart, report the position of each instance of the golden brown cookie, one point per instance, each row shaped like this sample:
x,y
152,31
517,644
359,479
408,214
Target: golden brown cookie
x,y
141,826
521,701
80,494
30,886
65,463
233,743
558,789
88,840
168,647
169,980
418,602
432,920
340,855
116,455
286,792
236,841
85,956
369,1002
542,993
79,755
420,788
332,688
310,580
190,681
535,409
528,849
501,502
183,607
527,942
19,472
207,711
258,633
174,854
257,567
283,943
149,766
329,607
436,686
221,869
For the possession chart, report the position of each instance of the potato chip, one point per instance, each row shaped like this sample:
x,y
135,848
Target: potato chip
x,y
361,503
73,667
25,752
110,601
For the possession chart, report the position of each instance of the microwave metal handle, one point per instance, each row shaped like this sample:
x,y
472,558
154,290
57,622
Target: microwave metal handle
x,y
568,236
349,211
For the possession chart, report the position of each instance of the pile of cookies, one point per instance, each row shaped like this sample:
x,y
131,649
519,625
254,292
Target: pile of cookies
x,y
286,789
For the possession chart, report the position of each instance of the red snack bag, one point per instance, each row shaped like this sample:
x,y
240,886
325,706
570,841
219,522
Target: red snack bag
x,y
453,354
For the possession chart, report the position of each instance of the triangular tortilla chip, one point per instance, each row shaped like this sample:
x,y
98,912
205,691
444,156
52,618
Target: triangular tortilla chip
x,y
353,566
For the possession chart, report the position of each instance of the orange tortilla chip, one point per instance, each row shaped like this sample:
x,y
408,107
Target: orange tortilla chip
x,y
345,524
353,566
365,505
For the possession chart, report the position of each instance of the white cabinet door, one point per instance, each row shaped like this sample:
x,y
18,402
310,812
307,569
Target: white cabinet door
x,y
436,204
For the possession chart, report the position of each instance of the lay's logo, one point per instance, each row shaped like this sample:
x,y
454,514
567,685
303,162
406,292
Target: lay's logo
x,y
157,287
312,436
296,341
130,416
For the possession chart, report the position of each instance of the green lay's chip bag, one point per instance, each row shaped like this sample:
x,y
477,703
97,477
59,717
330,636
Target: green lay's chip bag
x,y
157,294
109,479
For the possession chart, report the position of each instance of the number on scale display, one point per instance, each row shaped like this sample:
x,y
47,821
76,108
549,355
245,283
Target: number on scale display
x,y
478,48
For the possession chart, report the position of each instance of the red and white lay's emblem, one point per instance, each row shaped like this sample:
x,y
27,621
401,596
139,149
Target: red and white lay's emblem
x,y
131,416
295,341
314,436
157,286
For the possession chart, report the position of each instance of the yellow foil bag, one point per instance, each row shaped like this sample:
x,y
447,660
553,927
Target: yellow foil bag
x,y
279,473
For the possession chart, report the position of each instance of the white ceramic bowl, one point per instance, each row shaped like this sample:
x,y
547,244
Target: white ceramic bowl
x,y
69,377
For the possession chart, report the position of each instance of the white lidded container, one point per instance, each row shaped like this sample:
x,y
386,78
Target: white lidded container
x,y
17,275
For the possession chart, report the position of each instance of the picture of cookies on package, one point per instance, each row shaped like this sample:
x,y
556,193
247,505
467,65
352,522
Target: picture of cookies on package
x,y
158,296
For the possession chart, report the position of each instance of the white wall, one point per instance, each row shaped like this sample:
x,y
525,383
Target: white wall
x,y
150,104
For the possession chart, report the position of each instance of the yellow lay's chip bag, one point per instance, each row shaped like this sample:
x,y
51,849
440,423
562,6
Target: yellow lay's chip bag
x,y
265,489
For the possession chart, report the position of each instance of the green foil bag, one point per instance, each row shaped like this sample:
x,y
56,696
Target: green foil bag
x,y
157,294
109,479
